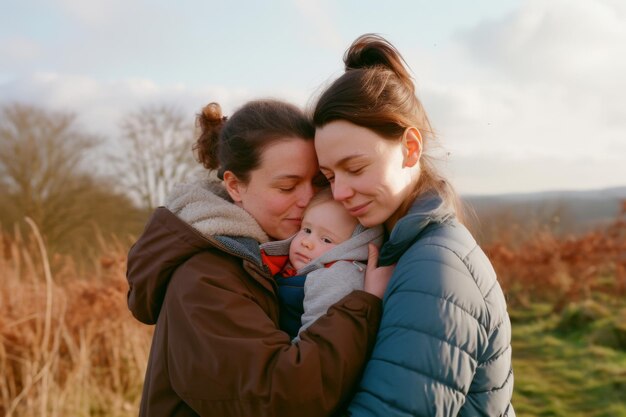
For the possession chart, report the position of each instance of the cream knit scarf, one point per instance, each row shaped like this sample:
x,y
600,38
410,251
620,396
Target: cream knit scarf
x,y
206,206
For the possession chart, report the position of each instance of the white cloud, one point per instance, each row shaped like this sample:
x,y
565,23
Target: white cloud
x,y
529,101
101,105
534,100
559,41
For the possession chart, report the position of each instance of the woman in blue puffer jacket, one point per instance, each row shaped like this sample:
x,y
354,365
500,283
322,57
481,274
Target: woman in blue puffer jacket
x,y
444,344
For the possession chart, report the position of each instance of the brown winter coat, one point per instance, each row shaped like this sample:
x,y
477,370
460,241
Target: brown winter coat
x,y
217,349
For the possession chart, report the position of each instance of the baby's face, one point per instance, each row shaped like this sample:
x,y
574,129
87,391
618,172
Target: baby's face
x,y
324,226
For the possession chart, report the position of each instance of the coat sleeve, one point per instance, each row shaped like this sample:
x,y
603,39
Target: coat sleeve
x,y
152,259
226,356
326,286
425,355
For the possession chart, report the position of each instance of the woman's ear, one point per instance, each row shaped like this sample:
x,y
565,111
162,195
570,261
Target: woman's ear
x,y
233,186
411,147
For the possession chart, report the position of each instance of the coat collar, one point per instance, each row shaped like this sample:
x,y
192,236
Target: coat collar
x,y
205,205
426,210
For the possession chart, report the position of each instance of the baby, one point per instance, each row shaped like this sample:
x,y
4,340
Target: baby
x,y
320,264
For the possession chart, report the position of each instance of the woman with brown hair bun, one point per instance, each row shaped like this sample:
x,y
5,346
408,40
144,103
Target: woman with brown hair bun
x,y
444,344
196,272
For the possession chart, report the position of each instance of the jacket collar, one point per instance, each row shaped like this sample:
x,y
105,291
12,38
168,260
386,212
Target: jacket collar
x,y
426,210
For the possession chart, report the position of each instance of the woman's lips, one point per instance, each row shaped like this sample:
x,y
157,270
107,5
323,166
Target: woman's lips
x,y
358,210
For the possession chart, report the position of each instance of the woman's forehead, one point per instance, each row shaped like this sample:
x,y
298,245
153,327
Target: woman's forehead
x,y
289,159
341,143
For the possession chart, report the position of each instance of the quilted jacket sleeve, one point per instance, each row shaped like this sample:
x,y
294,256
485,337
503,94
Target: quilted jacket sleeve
x,y
443,348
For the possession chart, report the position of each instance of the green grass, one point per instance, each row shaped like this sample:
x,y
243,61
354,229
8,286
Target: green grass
x,y
561,373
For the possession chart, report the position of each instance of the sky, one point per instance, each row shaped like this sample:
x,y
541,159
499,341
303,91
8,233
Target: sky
x,y
525,95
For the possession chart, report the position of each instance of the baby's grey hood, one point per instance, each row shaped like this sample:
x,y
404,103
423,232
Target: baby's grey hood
x,y
353,249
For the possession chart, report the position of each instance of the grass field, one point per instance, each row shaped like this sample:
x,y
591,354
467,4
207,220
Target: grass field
x,y
562,370
69,346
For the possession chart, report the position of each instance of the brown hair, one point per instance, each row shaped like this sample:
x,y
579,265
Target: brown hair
x,y
325,195
322,196
236,143
377,92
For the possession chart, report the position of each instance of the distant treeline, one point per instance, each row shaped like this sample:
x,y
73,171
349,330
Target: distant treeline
x,y
517,217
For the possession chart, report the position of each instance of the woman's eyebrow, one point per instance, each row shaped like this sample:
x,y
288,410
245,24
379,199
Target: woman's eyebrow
x,y
345,160
286,177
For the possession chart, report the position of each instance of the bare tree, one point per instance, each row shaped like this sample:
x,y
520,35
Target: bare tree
x,y
40,154
158,144
44,175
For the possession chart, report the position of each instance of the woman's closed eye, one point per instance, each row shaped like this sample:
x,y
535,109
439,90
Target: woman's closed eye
x,y
352,171
355,171
286,189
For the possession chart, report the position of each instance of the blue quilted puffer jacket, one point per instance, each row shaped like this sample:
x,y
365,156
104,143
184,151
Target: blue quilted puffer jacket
x,y
444,344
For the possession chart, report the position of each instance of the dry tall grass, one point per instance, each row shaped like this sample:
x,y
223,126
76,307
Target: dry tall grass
x,y
68,345
563,270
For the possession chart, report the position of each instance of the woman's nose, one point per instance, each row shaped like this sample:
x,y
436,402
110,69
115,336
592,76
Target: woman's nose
x,y
305,195
341,190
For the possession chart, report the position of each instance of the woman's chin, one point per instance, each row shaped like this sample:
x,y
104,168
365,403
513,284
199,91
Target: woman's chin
x,y
368,221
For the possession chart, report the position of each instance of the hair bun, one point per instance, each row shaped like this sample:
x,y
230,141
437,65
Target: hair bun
x,y
365,52
212,113
374,51
210,122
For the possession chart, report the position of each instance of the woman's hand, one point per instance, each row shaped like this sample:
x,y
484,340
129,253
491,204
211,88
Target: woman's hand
x,y
376,277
